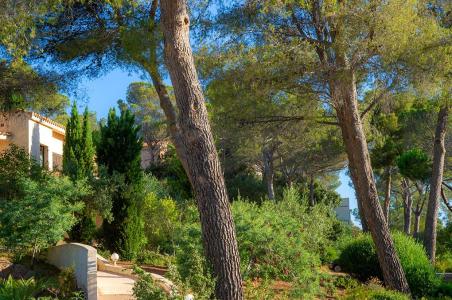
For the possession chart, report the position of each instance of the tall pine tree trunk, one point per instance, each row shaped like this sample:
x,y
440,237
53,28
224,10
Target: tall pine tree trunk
x,y
407,206
439,153
267,157
343,89
417,222
387,202
202,163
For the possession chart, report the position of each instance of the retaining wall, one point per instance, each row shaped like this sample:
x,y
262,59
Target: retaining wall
x,y
83,259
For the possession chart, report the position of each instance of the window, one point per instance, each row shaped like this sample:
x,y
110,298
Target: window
x,y
43,156
57,161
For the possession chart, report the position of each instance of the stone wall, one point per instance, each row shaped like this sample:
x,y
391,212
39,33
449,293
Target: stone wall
x,y
83,259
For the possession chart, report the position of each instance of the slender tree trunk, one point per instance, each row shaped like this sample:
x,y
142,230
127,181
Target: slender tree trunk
x,y
417,220
152,67
407,206
202,163
311,191
387,194
343,90
267,157
439,153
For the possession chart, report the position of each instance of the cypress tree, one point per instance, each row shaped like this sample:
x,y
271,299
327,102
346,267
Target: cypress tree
x,y
78,151
87,154
119,150
71,149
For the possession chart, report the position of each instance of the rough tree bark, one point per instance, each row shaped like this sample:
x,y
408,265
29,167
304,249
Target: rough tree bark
x,y
387,194
202,163
269,174
417,222
439,153
418,210
343,91
407,206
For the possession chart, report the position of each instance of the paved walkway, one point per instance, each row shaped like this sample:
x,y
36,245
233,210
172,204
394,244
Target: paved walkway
x,y
114,287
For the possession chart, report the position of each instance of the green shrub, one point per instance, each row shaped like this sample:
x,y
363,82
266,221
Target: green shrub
x,y
443,262
374,293
192,267
247,186
162,219
84,230
67,283
277,241
134,238
154,258
145,288
444,240
345,282
359,257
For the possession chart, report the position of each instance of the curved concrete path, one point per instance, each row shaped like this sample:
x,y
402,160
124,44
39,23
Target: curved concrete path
x,y
114,287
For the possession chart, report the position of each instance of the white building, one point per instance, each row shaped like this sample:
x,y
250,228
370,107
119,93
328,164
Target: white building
x,y
343,211
41,137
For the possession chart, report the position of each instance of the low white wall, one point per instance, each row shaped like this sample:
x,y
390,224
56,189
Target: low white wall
x,y
83,259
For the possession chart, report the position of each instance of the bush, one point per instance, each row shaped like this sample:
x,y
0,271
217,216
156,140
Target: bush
x,y
277,241
41,216
247,186
154,258
444,240
192,267
375,293
134,238
145,288
359,257
67,282
162,219
443,262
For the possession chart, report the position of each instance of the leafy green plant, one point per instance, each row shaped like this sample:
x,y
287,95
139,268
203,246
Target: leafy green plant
x,y
42,215
23,289
345,282
155,258
359,257
374,293
134,239
259,290
443,262
162,219
67,283
145,288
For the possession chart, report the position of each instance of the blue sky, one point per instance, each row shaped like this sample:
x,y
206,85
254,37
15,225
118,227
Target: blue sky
x,y
101,93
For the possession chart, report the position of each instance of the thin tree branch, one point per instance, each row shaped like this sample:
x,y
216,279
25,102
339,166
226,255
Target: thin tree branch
x,y
373,103
447,185
276,119
446,202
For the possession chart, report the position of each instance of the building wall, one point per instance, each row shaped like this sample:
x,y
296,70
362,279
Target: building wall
x,y
40,134
17,124
343,211
30,131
